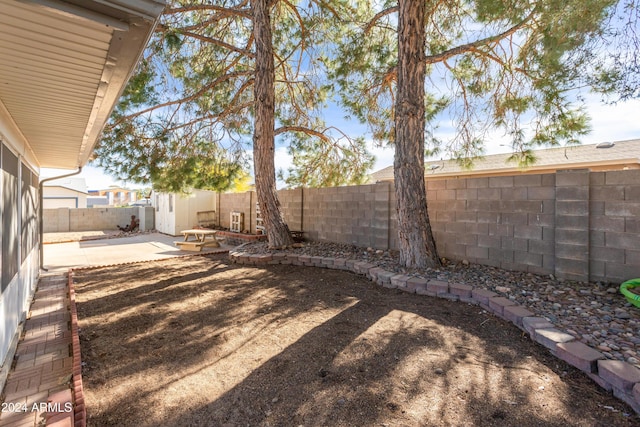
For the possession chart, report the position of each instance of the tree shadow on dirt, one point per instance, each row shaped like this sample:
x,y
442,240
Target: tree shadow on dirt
x,y
201,342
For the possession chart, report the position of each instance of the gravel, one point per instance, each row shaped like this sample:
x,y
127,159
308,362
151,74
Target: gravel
x,y
594,313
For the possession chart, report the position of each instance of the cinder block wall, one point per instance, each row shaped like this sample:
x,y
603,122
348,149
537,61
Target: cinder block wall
x,y
575,224
237,202
358,215
291,202
614,225
87,219
504,221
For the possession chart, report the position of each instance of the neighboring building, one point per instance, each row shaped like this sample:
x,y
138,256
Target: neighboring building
x,y
175,212
620,155
97,201
63,66
65,193
116,196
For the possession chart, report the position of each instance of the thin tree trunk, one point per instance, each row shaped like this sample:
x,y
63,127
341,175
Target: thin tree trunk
x,y
416,243
264,124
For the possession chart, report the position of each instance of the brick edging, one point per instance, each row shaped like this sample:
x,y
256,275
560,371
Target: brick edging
x,y
80,411
621,378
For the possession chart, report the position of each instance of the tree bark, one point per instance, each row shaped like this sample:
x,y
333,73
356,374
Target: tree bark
x,y
264,127
416,243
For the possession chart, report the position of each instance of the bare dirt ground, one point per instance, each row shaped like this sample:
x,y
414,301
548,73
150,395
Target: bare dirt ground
x,y
201,342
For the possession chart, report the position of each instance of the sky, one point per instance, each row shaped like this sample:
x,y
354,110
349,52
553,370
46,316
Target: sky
x,y
608,123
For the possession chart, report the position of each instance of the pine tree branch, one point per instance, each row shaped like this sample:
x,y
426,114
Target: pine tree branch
x,y
239,10
218,42
468,47
302,129
189,98
379,16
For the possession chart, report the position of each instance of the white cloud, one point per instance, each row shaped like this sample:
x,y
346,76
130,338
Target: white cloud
x,y
608,123
613,122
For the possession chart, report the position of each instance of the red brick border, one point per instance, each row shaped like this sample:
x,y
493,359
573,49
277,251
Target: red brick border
x,y
620,377
80,410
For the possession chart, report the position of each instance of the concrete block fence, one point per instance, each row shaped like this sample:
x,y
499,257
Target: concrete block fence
x,y
621,378
64,220
575,224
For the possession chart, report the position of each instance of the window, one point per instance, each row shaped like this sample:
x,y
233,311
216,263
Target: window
x,y
170,202
29,211
10,231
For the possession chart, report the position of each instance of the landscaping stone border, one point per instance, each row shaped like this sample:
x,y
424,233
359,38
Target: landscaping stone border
x,y
621,378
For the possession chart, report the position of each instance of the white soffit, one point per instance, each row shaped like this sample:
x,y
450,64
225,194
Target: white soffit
x,y
63,67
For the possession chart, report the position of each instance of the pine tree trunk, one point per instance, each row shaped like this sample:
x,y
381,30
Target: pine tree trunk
x,y
264,124
416,243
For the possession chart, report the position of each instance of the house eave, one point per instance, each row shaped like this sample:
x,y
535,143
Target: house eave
x,y
63,66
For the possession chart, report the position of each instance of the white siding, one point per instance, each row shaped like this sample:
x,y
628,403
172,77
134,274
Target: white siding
x,y
18,289
60,197
173,216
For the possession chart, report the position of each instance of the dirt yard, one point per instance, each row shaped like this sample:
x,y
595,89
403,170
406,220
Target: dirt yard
x,y
201,342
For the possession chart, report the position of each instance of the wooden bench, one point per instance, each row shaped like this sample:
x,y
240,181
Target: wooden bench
x,y
193,246
201,240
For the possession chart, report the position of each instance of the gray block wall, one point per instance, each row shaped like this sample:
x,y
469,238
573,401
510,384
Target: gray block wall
x,y
89,219
572,224
237,202
504,221
614,225
358,215
291,203
575,224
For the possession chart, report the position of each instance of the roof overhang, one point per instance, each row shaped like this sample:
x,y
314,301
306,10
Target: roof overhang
x,y
63,66
631,163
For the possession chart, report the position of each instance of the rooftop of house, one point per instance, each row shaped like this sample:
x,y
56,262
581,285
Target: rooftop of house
x,y
604,156
74,184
